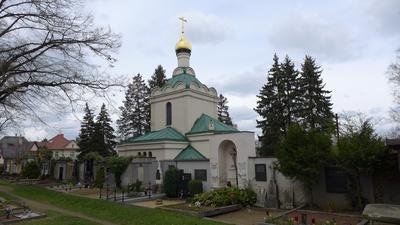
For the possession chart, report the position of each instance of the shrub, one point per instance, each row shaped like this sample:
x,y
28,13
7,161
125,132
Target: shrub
x,y
118,165
226,196
137,186
31,170
195,187
171,180
100,178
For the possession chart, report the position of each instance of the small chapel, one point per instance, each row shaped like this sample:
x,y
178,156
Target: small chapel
x,y
186,133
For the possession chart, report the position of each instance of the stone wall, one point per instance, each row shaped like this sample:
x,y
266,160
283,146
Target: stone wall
x,y
276,188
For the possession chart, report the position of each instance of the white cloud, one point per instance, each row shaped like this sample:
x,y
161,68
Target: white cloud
x,y
312,34
384,16
235,84
206,28
34,133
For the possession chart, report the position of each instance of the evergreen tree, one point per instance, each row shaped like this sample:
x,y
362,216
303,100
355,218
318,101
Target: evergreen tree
x,y
303,154
316,107
222,107
104,138
85,138
135,113
289,93
270,109
158,78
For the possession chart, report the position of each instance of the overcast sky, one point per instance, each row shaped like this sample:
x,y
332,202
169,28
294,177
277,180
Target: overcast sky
x,y
234,42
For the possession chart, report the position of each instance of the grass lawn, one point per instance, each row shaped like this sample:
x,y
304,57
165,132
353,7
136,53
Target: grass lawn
x,y
57,219
107,211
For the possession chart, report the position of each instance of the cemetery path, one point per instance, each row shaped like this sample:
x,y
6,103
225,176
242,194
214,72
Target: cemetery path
x,y
45,207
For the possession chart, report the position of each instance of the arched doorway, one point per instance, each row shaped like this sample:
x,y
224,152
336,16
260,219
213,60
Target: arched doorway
x,y
227,163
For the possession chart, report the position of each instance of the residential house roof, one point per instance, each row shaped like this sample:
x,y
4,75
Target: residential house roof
x,y
208,124
190,154
12,147
57,142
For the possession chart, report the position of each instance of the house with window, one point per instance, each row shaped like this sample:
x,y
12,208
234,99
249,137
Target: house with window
x,y
15,151
65,151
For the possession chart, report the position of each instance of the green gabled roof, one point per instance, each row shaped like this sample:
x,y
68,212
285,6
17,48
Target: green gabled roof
x,y
190,154
186,79
202,126
166,134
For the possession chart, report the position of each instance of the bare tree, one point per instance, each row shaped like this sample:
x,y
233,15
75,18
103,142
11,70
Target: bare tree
x,y
394,78
46,49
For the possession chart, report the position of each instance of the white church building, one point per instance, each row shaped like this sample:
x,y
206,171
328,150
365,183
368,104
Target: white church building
x,y
186,133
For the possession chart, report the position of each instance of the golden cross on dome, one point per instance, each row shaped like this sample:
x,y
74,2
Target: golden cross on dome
x,y
183,24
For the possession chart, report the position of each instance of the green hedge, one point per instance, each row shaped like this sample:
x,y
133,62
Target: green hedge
x,y
195,187
100,177
171,180
226,196
31,170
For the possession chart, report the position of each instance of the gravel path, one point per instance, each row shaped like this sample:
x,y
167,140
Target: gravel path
x,y
45,207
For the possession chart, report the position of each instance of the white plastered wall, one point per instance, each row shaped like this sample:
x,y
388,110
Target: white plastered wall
x,y
187,106
245,147
164,150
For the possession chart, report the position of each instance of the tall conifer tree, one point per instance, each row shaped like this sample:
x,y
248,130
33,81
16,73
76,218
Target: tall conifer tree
x,y
270,109
85,138
316,107
288,91
158,78
104,133
135,113
222,107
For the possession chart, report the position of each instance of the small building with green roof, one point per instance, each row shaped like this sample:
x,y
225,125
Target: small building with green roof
x,y
186,133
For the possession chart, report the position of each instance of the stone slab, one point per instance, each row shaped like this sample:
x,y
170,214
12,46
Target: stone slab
x,y
382,213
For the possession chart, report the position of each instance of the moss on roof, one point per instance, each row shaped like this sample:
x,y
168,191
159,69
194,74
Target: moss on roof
x,y
186,79
190,154
202,125
166,134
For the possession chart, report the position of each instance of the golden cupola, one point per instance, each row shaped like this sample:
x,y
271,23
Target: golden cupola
x,y
183,43
183,50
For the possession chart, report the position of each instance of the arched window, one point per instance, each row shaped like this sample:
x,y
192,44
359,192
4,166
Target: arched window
x,y
144,154
150,154
139,154
169,113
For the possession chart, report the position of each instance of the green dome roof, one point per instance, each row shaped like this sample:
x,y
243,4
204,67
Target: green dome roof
x,y
190,154
184,78
201,125
166,134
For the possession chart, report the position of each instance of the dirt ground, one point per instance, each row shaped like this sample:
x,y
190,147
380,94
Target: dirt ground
x,y
152,204
243,217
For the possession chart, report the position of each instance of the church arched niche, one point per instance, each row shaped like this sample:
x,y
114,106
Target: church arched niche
x,y
169,113
227,156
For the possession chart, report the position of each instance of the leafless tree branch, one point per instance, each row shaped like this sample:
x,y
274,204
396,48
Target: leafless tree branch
x,y
45,47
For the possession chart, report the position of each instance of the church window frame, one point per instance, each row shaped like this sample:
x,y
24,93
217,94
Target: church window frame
x,y
168,114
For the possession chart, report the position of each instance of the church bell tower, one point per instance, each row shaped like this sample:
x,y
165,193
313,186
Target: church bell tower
x,y
183,99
